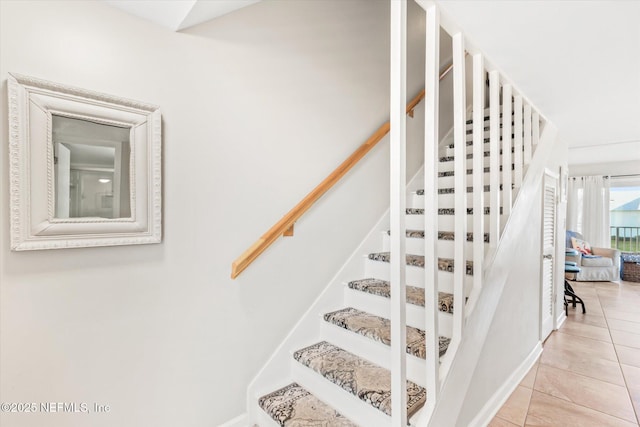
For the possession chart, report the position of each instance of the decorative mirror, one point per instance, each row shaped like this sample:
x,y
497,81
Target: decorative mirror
x,y
85,167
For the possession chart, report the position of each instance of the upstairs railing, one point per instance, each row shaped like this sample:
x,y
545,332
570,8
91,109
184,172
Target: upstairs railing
x,y
285,226
625,238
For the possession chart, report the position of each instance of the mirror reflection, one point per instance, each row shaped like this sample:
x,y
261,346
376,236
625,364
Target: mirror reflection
x,y
91,169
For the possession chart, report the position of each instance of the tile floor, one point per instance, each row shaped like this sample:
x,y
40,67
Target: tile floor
x,y
589,371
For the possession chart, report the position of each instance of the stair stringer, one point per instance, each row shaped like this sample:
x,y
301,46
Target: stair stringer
x,y
498,265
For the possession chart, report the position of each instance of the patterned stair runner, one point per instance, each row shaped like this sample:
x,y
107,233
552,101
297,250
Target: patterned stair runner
x,y
379,329
446,211
442,235
415,295
293,406
444,264
469,172
367,381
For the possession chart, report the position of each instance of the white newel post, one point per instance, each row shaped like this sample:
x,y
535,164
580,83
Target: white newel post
x,y
507,145
478,169
460,183
494,158
398,102
432,85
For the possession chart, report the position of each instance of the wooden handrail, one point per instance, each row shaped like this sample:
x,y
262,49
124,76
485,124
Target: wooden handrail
x,y
284,227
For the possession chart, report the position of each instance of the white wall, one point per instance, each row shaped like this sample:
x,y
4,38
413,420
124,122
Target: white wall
x,y
258,107
621,152
620,167
515,328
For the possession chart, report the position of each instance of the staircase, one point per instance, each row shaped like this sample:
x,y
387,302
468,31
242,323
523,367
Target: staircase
x,y
342,378
337,365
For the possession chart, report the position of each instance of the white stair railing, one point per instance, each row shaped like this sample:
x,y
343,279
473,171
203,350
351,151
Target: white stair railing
x,y
431,161
494,158
460,186
398,102
527,134
514,132
507,145
517,143
479,78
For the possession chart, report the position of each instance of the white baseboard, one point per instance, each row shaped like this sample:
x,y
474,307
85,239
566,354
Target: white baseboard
x,y
560,320
493,405
239,421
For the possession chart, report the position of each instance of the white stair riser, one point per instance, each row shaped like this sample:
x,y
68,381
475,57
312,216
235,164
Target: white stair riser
x,y
415,246
381,306
445,222
449,165
448,150
335,396
373,351
444,200
415,276
448,181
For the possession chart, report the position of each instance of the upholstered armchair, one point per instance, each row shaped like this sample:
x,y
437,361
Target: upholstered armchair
x,y
605,267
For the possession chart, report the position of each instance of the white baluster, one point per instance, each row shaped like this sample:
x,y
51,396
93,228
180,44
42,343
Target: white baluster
x,y
398,102
478,169
507,145
535,128
527,134
432,85
460,183
517,142
494,158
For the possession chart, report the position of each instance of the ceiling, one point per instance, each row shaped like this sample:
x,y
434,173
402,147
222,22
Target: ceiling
x,y
179,14
578,62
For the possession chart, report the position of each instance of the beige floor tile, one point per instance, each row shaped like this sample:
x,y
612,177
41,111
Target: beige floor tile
x,y
629,306
622,293
515,408
622,299
622,315
584,330
579,379
623,325
588,318
530,378
628,355
632,376
627,339
548,411
574,361
499,422
595,394
586,346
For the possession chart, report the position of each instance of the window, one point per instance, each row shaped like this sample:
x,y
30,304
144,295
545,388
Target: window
x,y
624,213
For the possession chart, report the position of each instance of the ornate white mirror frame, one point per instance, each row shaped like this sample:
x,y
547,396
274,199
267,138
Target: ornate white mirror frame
x,y
35,222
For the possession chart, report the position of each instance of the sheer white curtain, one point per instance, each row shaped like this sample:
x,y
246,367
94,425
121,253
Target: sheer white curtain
x,y
588,209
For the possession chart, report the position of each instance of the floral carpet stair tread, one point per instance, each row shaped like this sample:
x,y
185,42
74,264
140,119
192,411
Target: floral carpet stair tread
x,y
369,382
293,406
485,188
446,211
415,295
469,172
442,235
379,329
444,264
